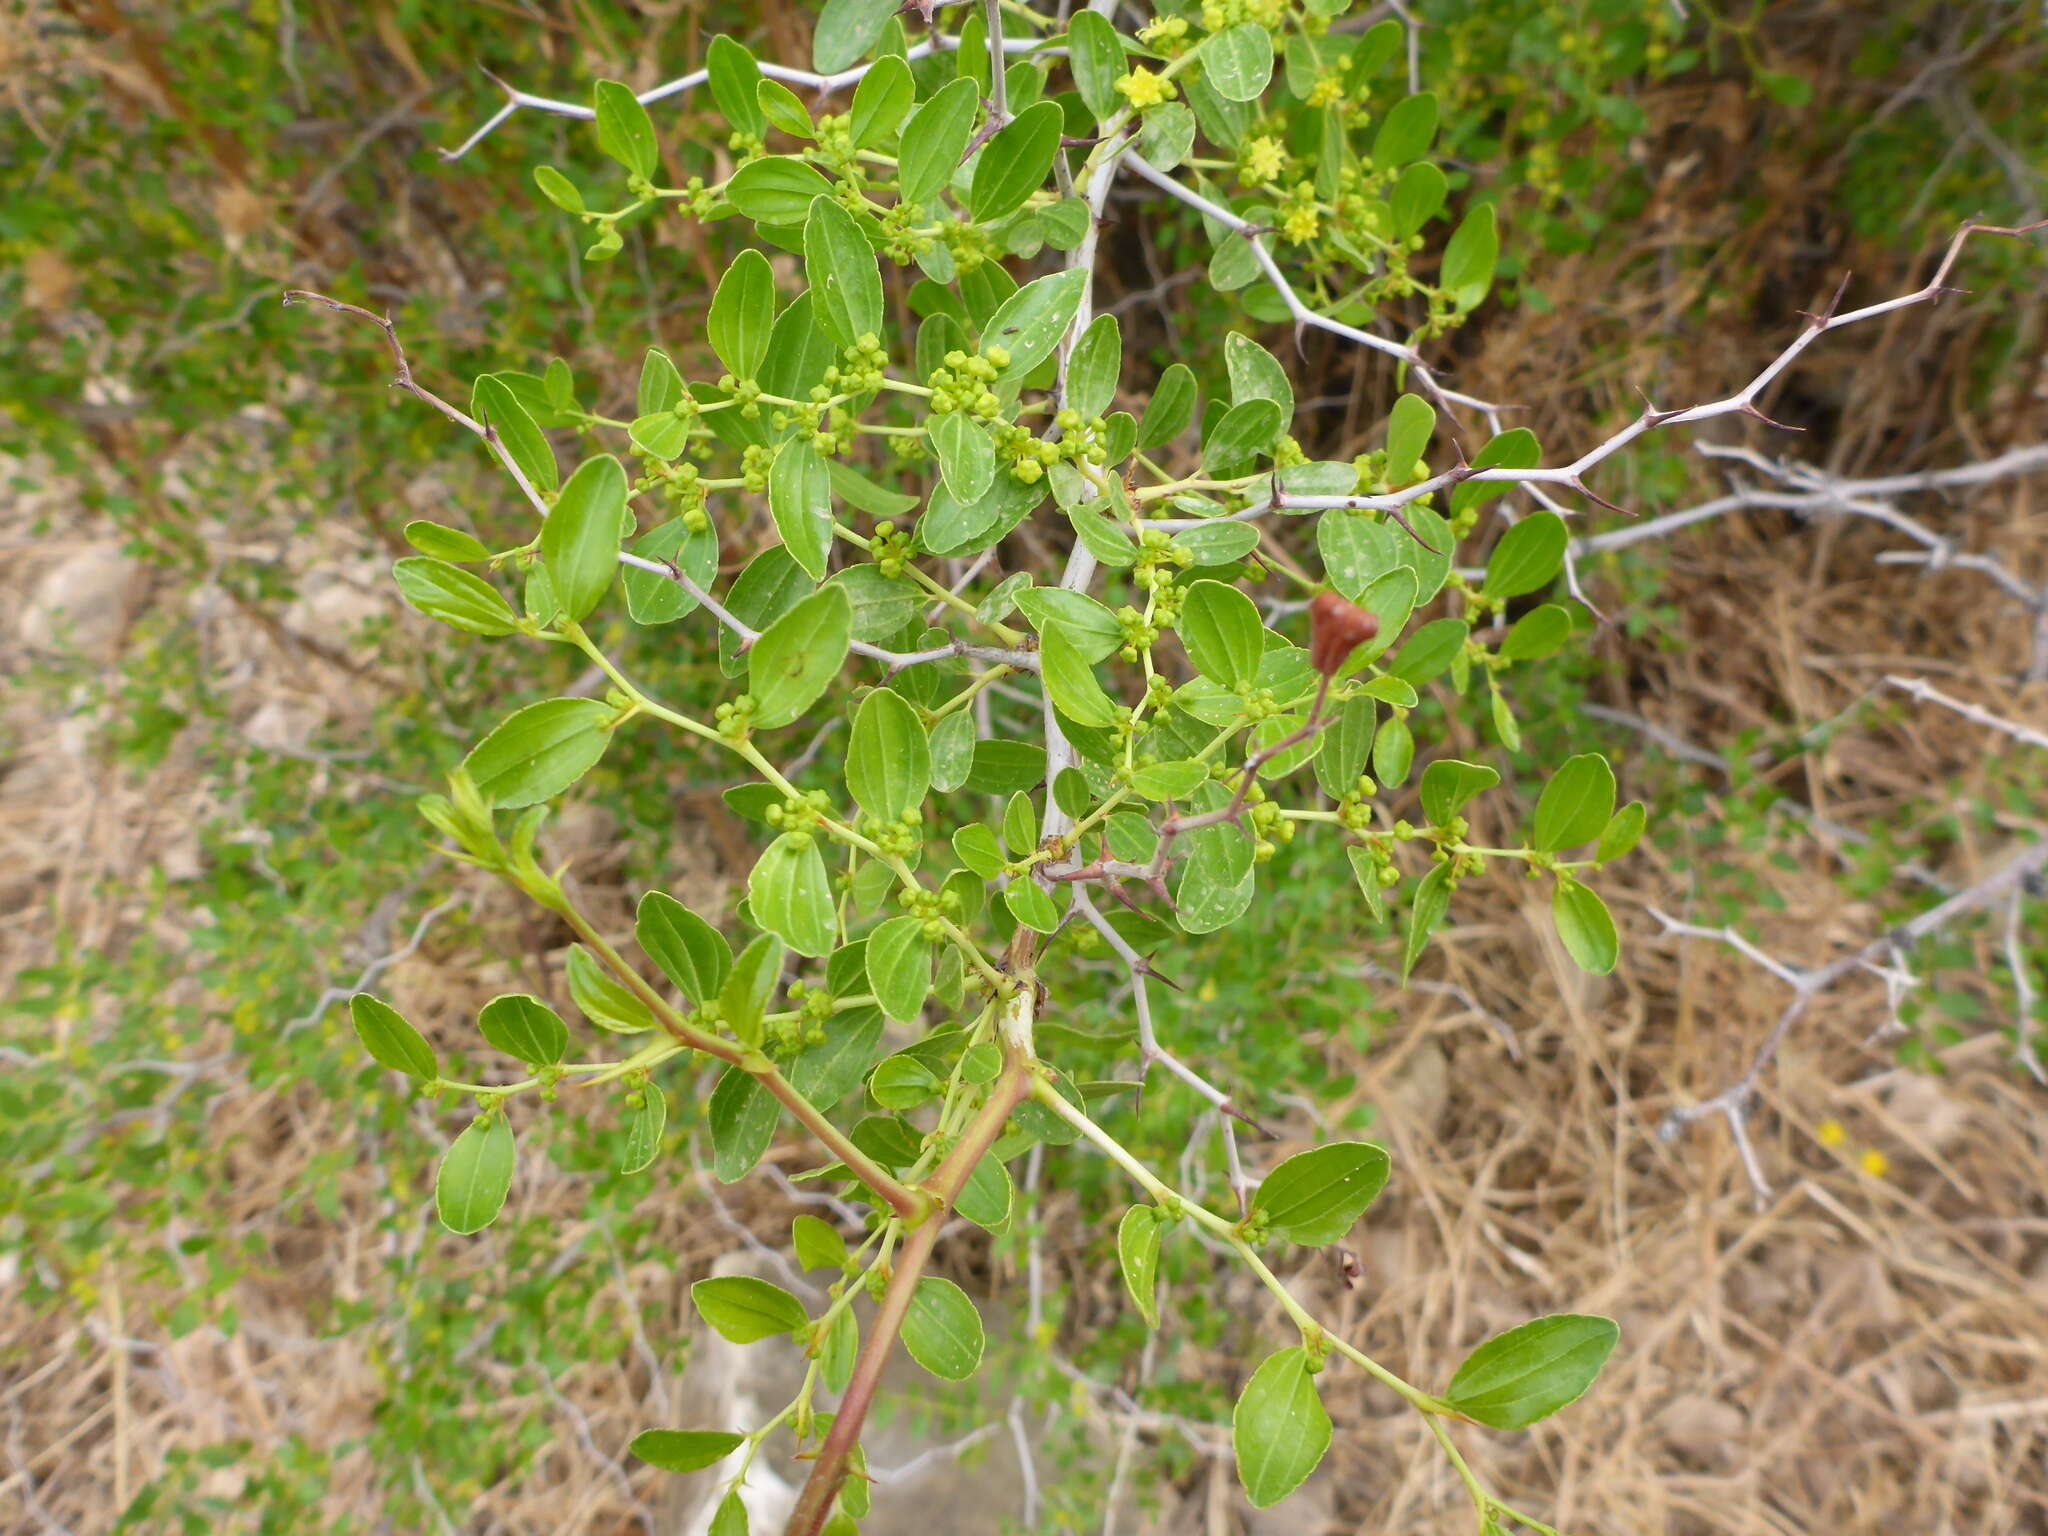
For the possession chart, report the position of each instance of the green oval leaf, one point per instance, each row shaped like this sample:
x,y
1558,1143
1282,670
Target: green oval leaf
x,y
579,543
1239,61
800,501
1015,163
1418,197
1576,804
1071,682
685,1450
475,1174
1137,1255
899,967
796,659
1585,926
539,751
1447,785
734,76
1405,132
746,1310
644,1126
1096,56
967,456
942,1330
624,130
1622,833
744,997
1538,633
605,1001
776,190
884,95
742,1117
1469,258
494,403
1315,1197
1032,905
1409,426
742,316
525,1028
391,1040
888,760
690,952
1172,407
1528,556
1528,1373
1247,433
454,596
845,279
1279,1429
790,894
934,140
1220,628
846,30
1031,321
953,747
1432,903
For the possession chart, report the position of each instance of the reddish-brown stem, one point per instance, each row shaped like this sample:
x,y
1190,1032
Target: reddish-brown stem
x,y
905,1202
814,1507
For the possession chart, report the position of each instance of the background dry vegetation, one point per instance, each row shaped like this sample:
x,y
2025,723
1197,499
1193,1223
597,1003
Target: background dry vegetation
x,y
221,1276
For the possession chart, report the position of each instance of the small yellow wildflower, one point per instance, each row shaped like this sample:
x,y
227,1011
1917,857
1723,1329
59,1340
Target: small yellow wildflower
x,y
1164,33
1263,160
1142,89
1326,92
1832,1134
1302,223
1875,1163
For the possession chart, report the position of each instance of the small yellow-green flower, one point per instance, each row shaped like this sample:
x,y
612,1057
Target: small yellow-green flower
x,y
1262,161
1142,89
1326,92
1302,223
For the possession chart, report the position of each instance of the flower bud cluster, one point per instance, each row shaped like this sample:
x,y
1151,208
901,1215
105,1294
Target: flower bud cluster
x,y
963,383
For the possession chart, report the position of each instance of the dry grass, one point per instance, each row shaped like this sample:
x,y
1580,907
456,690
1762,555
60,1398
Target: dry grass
x,y
1869,1353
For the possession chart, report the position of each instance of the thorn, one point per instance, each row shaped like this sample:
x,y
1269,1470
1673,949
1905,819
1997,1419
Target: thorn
x,y
1579,485
503,85
1751,410
1235,1113
1398,516
1145,968
1300,346
1827,315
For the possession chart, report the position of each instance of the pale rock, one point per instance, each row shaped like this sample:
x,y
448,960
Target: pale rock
x,y
83,605
1420,1088
285,725
1705,1429
334,613
1931,1108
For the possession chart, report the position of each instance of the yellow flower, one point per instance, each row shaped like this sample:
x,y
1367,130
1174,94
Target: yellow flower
x,y
1832,1134
1326,92
1263,160
1875,1163
1144,89
1301,224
